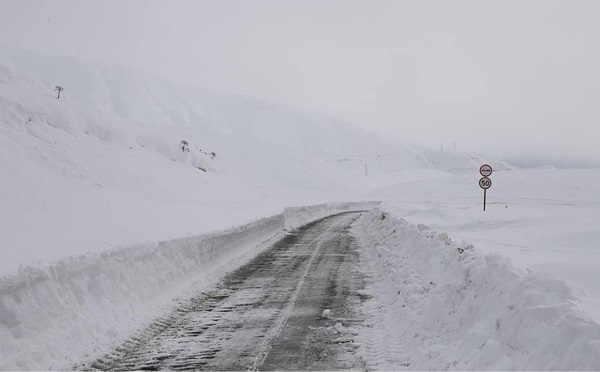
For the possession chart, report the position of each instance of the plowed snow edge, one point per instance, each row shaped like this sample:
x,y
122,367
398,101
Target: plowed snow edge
x,y
439,305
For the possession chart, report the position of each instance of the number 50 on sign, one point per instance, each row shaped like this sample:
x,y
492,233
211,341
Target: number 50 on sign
x,y
485,183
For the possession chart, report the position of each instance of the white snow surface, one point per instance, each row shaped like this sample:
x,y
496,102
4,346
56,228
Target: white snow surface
x,y
439,305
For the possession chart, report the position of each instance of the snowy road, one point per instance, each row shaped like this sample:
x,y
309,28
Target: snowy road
x,y
268,314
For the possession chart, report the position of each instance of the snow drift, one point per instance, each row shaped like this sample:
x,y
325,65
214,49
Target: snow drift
x,y
441,305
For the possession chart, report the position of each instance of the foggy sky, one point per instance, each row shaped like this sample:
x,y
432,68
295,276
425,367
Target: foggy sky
x,y
517,80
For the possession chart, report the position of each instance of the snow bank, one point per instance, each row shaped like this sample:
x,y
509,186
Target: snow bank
x,y
441,305
52,317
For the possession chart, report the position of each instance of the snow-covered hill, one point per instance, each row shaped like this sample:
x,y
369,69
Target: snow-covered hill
x,y
103,165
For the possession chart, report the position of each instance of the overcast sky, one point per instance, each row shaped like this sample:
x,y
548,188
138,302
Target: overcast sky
x,y
514,79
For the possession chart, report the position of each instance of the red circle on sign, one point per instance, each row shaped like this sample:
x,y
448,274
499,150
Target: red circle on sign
x,y
485,170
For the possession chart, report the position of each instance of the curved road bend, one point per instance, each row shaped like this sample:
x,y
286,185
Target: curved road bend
x,y
266,315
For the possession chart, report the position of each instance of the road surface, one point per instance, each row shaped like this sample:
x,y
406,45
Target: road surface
x,y
291,308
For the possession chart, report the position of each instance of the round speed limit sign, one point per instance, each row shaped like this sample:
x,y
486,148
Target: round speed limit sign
x,y
485,183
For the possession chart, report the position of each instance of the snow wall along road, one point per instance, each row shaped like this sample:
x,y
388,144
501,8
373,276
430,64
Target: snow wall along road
x,y
442,305
54,316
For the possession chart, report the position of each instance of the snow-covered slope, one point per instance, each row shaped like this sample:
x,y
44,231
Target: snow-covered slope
x,y
136,97
102,166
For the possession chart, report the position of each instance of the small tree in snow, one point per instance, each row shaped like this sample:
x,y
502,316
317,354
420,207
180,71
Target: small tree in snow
x,y
184,145
212,155
58,89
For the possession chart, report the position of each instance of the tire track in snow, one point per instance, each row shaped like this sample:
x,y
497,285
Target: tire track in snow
x,y
235,326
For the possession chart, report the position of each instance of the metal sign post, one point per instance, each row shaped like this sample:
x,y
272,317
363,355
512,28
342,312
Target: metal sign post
x,y
485,182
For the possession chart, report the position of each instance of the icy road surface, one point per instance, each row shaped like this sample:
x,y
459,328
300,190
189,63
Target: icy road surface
x,y
268,314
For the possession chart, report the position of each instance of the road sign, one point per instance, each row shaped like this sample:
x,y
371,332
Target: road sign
x,y
485,170
485,183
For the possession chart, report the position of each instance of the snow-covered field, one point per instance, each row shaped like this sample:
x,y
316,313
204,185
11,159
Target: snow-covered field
x,y
97,181
542,219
